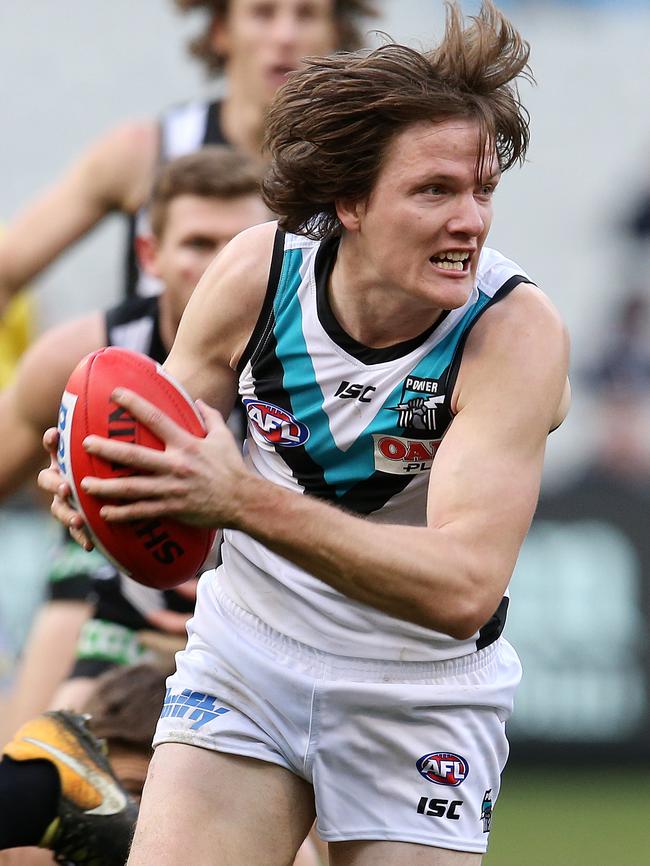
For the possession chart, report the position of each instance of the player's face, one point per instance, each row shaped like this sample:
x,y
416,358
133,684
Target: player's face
x,y
195,230
263,40
427,218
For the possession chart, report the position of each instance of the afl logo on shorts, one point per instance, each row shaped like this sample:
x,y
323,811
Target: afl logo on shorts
x,y
275,425
443,768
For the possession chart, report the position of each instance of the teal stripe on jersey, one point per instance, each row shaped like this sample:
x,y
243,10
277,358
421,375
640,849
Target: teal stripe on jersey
x,y
342,470
432,366
299,376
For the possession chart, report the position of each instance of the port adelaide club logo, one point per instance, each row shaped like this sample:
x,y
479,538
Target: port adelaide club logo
x,y
417,413
275,425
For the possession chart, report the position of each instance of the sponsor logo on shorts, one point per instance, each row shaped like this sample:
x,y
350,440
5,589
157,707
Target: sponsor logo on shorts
x,y
196,707
399,455
437,808
443,768
276,425
486,810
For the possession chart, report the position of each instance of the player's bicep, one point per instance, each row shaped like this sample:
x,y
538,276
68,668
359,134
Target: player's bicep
x,y
510,392
484,487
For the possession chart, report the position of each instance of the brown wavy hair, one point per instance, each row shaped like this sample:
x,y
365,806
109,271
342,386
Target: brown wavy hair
x,y
348,15
215,171
330,125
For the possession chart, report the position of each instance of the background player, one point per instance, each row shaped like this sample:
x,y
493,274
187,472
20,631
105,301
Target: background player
x,y
253,44
356,644
199,203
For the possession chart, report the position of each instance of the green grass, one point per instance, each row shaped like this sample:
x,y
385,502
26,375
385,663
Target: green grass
x,y
597,817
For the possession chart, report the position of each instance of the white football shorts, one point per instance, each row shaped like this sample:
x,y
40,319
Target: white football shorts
x,y
403,751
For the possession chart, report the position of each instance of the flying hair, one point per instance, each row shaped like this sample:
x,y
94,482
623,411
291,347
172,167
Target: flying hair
x,y
329,127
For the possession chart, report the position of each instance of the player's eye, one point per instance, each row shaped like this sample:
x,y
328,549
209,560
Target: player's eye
x,y
201,244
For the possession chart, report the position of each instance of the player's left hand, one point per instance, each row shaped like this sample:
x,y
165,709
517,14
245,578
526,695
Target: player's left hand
x,y
193,479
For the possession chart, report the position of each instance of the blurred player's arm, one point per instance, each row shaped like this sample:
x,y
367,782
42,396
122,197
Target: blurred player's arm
x,y
31,403
114,174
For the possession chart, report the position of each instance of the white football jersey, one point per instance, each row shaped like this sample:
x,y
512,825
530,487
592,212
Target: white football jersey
x,y
354,426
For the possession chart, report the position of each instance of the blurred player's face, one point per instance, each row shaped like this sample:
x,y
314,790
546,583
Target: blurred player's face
x,y
426,220
263,40
195,230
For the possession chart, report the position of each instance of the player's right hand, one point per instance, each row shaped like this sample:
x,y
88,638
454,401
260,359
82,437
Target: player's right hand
x,y
52,481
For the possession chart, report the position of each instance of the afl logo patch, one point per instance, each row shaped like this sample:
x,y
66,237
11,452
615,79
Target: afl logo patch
x,y
443,768
275,425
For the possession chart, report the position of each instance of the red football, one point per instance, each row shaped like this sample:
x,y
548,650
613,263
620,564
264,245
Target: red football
x,y
159,552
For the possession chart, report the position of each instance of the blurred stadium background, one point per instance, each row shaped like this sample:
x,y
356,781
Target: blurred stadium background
x,y
577,217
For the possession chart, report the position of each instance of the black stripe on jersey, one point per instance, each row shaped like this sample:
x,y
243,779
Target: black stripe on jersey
x,y
266,319
131,269
268,375
367,495
213,133
494,626
454,367
325,259
134,308
374,492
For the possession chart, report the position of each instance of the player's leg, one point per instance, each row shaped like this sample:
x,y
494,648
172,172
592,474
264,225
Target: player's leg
x,y
308,855
397,854
209,808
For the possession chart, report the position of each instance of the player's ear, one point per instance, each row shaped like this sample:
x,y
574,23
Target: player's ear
x,y
146,247
349,211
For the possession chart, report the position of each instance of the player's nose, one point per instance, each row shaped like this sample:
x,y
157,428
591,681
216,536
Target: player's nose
x,y
284,29
468,217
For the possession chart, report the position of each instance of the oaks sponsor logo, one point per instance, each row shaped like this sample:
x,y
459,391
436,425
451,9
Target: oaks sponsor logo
x,y
401,455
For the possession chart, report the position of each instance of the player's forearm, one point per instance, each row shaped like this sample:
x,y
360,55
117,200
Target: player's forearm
x,y
420,574
45,229
13,274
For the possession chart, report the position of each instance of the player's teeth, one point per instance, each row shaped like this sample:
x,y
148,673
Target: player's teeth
x,y
453,256
451,266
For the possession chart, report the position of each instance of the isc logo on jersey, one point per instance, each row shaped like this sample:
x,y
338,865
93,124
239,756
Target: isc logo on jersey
x,y
443,768
275,425
400,455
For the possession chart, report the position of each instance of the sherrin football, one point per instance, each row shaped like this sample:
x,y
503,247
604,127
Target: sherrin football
x,y
159,552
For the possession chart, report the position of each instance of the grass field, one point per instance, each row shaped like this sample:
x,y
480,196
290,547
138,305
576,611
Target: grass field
x,y
572,818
